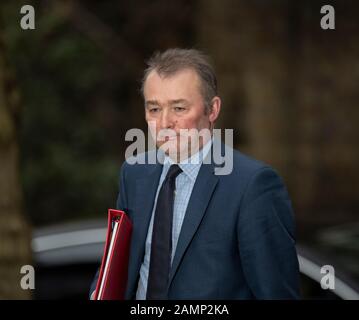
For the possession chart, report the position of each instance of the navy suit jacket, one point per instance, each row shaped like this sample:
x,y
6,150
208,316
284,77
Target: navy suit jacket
x,y
237,238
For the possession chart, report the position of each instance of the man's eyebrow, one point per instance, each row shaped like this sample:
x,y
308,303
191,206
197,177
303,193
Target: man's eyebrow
x,y
178,101
152,103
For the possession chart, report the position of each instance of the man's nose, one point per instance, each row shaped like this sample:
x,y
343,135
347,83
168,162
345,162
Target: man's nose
x,y
166,120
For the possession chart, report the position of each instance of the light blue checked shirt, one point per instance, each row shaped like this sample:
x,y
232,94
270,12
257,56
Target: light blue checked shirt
x,y
184,185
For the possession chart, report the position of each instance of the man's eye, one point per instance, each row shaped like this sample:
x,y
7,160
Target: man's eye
x,y
179,109
154,110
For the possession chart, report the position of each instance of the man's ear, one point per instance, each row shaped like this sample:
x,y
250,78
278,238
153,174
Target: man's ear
x,y
216,108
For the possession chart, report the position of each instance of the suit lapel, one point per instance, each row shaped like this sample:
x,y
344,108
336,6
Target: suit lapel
x,y
200,197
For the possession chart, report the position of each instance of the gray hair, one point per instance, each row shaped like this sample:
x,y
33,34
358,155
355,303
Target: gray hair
x,y
171,61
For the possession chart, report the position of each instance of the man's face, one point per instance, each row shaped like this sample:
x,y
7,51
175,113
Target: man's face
x,y
174,103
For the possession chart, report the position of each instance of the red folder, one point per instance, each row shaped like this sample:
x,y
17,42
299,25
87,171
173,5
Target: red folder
x,y
112,280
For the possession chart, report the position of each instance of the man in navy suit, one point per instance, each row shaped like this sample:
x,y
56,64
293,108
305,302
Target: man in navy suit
x,y
199,233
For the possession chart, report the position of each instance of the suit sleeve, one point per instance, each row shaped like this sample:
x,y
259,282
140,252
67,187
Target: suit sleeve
x,y
121,204
266,238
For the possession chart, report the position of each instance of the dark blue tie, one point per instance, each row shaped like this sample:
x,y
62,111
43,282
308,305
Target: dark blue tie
x,y
161,247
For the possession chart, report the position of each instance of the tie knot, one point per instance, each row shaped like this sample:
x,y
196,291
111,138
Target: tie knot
x,y
173,172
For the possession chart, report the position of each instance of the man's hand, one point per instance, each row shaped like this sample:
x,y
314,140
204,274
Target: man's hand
x,y
92,296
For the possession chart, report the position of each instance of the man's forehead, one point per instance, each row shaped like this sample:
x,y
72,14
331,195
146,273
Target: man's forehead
x,y
181,85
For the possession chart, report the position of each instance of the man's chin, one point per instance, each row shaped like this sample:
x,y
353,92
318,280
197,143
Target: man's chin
x,y
178,149
171,152
177,155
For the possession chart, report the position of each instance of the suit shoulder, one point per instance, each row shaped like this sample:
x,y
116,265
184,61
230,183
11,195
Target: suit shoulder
x,y
246,168
247,162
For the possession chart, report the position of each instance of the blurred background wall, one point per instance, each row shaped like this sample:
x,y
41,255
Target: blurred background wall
x,y
291,91
70,91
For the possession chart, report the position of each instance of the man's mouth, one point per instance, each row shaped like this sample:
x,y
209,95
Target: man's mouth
x,y
170,138
167,138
